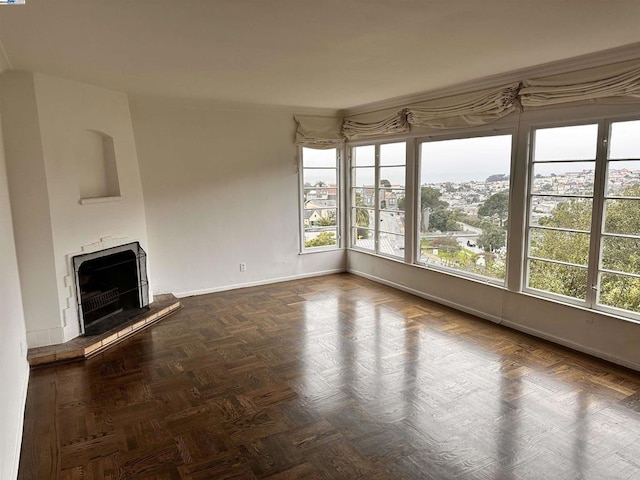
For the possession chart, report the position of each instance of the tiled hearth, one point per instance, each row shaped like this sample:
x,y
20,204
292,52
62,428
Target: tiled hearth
x,y
84,347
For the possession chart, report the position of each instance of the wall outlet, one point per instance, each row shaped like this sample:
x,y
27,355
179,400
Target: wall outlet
x,y
243,267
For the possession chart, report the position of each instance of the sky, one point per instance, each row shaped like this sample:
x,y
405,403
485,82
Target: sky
x,y
464,160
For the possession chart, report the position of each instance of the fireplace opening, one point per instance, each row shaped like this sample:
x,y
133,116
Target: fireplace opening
x,y
111,286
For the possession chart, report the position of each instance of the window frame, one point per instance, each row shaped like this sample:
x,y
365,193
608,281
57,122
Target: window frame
x,y
459,134
528,205
303,250
519,126
351,226
597,234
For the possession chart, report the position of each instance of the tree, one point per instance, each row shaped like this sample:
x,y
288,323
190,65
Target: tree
x,y
492,238
362,217
321,240
327,221
618,253
430,198
385,183
496,205
429,203
443,220
622,254
562,246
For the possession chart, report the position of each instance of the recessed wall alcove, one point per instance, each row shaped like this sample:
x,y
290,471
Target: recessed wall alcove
x,y
97,168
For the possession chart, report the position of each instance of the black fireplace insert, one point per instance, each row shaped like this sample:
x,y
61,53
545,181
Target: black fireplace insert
x,y
111,287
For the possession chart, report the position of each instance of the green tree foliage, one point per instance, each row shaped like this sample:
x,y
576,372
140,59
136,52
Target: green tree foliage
x,y
493,237
327,221
618,254
430,201
443,220
323,239
385,183
362,217
430,198
497,205
563,246
622,254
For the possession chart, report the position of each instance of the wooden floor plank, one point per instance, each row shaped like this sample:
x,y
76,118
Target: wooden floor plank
x,y
325,378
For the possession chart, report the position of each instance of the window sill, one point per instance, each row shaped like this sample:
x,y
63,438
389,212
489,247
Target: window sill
x,y
320,250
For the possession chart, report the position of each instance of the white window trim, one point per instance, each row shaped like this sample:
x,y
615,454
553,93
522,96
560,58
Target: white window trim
x,y
590,303
339,206
376,207
518,125
479,132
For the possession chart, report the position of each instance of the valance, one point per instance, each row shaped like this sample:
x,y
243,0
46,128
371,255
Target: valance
x,y
616,83
469,109
375,124
318,132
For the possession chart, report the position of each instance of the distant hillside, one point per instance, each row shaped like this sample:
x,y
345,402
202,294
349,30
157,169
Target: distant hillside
x,y
498,177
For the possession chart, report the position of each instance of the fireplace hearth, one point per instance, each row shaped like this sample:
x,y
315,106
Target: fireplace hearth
x,y
111,287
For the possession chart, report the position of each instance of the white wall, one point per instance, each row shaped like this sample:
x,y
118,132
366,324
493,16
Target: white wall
x,y
46,123
601,335
66,110
14,373
221,187
29,202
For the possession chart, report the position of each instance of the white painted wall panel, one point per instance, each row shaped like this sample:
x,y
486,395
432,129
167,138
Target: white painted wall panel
x,y
14,373
221,188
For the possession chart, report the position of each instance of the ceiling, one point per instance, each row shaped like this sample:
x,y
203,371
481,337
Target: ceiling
x,y
313,53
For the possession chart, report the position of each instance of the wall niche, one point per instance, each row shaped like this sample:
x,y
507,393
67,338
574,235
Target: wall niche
x,y
97,168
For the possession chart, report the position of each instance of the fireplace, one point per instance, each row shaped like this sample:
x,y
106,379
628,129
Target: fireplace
x,y
111,287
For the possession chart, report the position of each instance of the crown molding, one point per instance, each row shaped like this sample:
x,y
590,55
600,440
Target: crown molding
x,y
590,60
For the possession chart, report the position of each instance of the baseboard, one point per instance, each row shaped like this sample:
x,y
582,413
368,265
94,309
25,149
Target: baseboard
x,y
257,283
572,345
507,323
432,298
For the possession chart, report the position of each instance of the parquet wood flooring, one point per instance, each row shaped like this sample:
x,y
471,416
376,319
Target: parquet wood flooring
x,y
333,377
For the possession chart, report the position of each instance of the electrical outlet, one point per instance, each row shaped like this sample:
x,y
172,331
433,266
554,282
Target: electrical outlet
x,y
243,267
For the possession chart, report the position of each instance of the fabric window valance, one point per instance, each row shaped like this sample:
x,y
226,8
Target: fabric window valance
x,y
616,83
469,109
318,132
375,124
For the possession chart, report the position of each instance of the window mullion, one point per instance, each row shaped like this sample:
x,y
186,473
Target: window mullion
x,y
376,201
411,187
340,198
600,180
301,191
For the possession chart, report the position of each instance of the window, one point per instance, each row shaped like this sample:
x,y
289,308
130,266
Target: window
x,y
561,202
377,198
464,204
583,217
618,280
320,198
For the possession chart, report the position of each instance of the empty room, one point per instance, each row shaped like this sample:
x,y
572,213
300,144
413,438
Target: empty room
x,y
296,239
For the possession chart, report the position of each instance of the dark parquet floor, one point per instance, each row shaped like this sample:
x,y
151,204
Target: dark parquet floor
x,y
331,378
